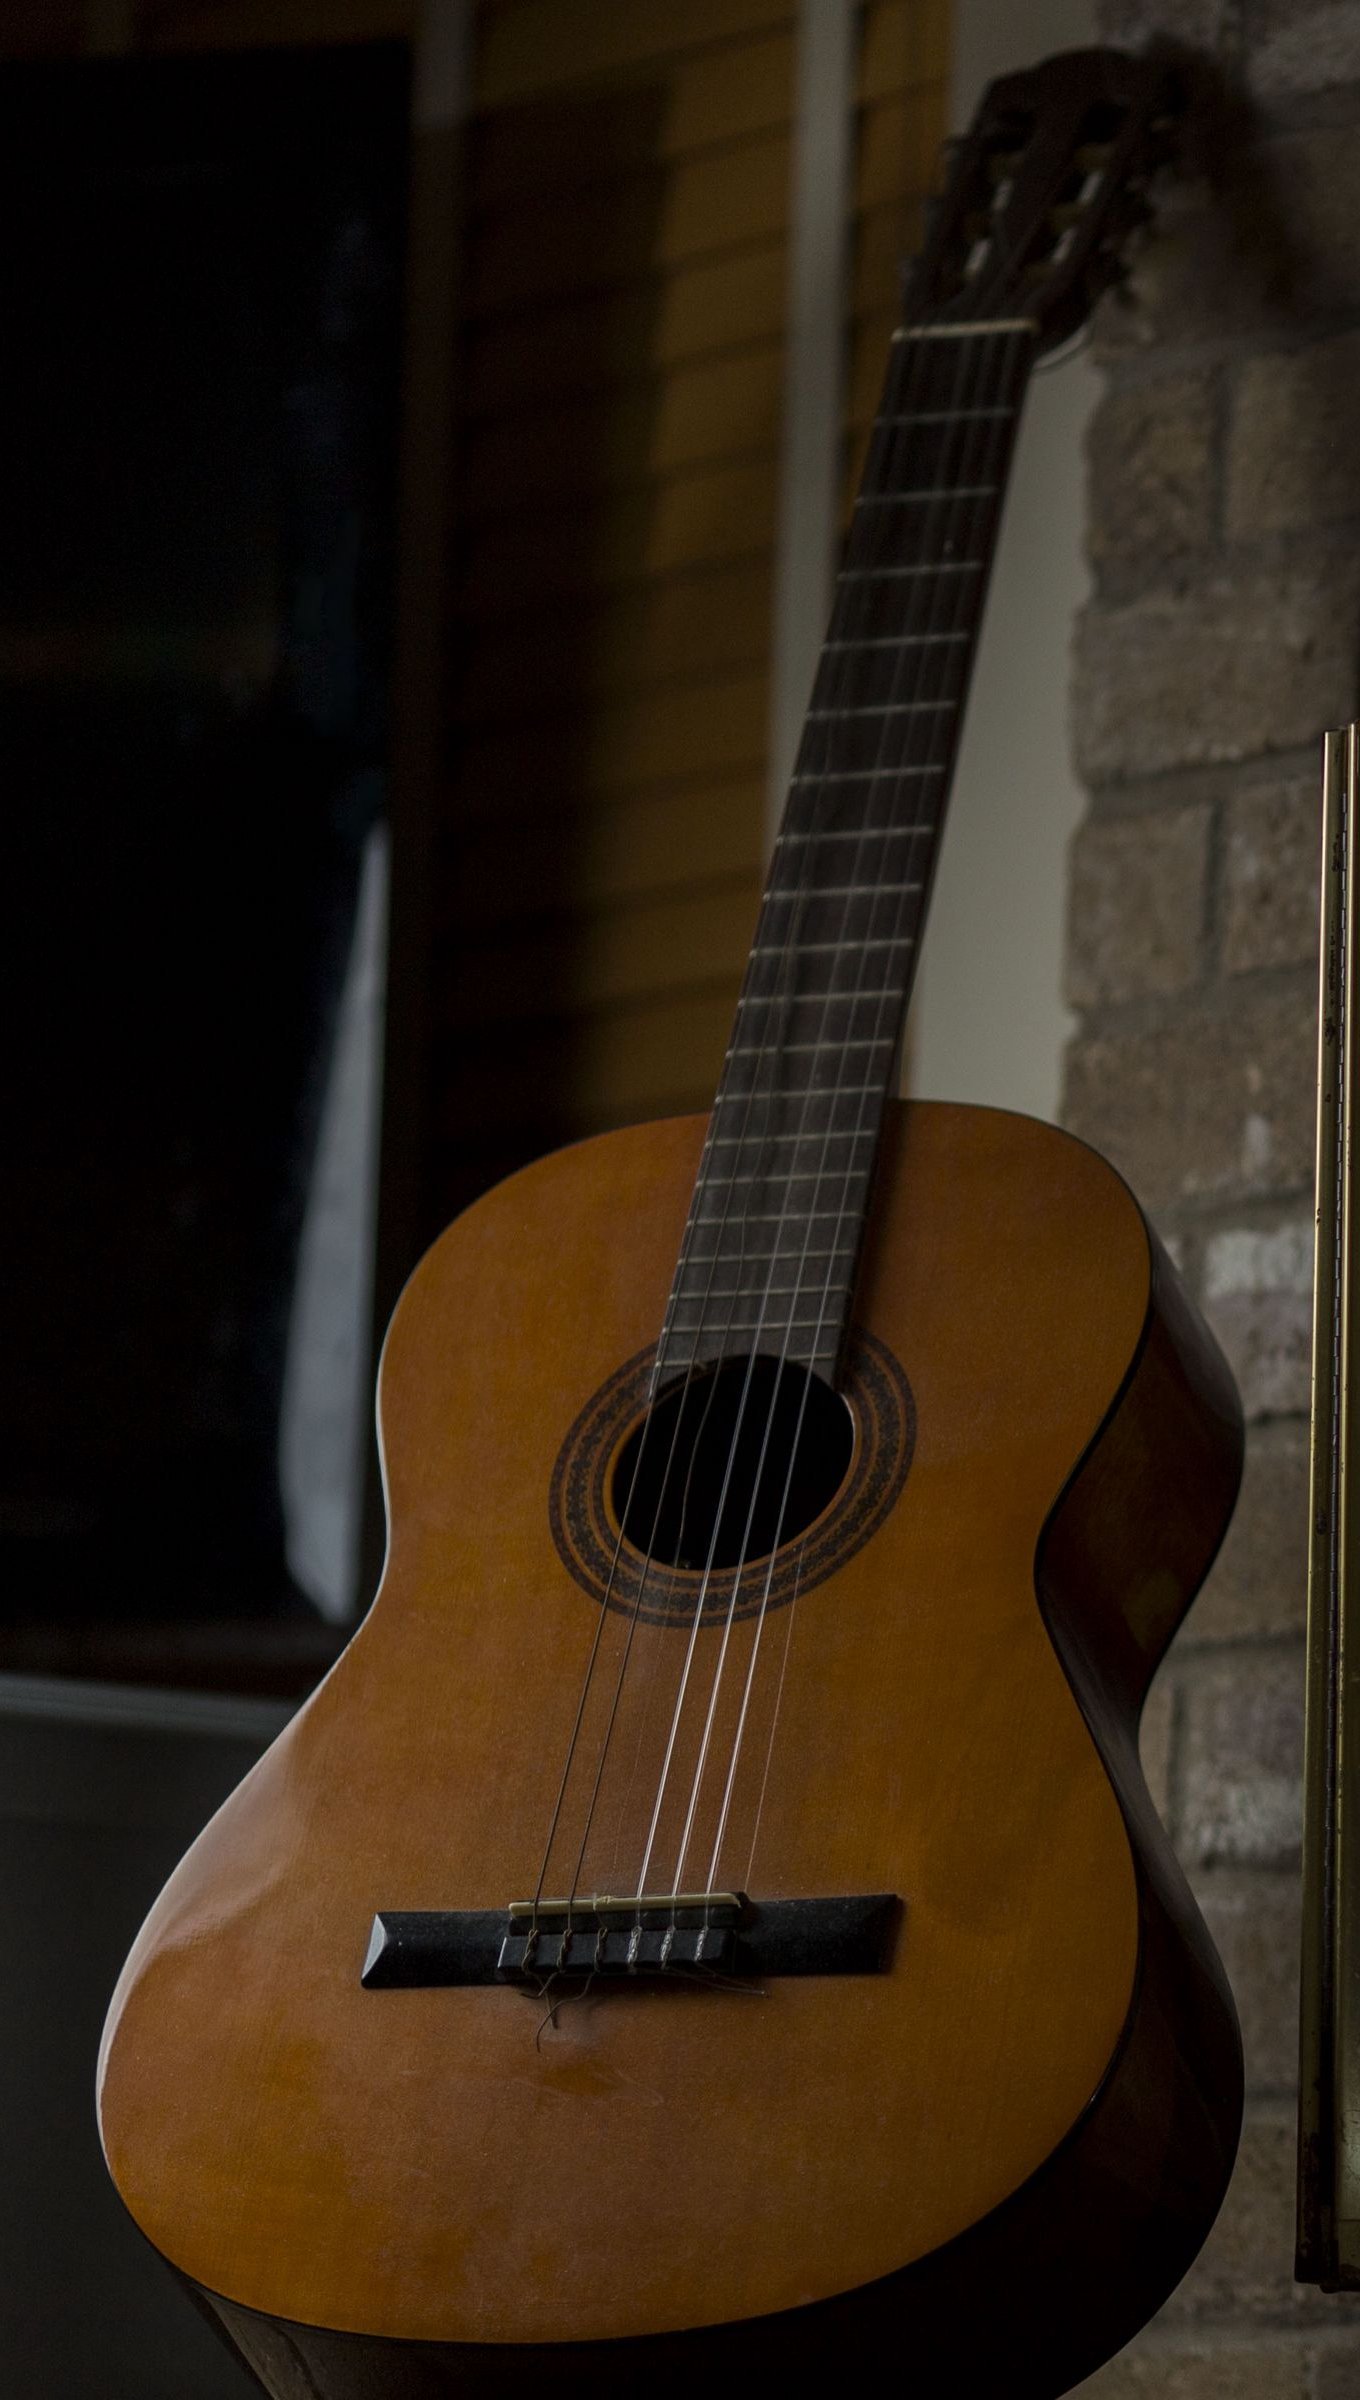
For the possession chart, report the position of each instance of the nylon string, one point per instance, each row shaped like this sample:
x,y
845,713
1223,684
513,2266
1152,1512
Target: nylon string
x,y
997,451
778,1003
883,481
911,655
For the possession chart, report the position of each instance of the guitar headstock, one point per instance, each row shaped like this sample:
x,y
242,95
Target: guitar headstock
x,y
1043,192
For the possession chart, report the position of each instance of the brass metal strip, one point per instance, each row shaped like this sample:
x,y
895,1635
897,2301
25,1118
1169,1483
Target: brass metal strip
x,y
1328,2225
1345,1894
1315,2236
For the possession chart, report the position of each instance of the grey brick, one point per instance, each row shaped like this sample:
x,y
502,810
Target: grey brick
x,y
1337,2374
1272,866
1246,2267
1245,2270
1151,486
1296,48
1242,1758
1203,2370
1228,667
1254,1921
1258,1290
1137,905
1259,1582
1292,457
1212,1104
1209,269
1132,22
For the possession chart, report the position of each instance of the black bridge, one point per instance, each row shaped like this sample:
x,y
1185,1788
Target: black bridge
x,y
684,1934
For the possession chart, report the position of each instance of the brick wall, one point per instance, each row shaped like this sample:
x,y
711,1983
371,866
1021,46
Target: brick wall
x,y
1223,634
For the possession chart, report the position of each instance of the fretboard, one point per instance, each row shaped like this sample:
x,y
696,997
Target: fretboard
x,y
772,1245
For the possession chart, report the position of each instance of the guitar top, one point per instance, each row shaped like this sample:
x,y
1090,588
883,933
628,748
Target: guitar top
x,y
711,1919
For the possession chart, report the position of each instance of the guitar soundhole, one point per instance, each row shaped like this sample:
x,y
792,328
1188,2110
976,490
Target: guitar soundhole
x,y
851,1463
732,1463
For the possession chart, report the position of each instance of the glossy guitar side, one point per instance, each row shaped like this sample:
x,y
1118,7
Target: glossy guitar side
x,y
995,2157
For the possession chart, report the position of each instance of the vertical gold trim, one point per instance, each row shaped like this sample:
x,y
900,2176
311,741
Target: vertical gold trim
x,y
1329,2017
1315,2260
1346,1635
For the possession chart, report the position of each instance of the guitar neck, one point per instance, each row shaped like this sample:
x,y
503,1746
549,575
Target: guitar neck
x,y
772,1243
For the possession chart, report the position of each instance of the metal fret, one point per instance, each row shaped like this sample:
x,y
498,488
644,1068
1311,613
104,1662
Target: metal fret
x,y
894,708
864,774
841,1171
845,891
958,491
776,1216
944,566
884,991
944,416
896,641
955,333
772,1258
790,1174
747,1292
867,1041
764,1323
902,941
858,833
840,1091
737,1141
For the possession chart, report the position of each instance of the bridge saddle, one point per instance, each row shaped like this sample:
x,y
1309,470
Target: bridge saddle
x,y
704,1935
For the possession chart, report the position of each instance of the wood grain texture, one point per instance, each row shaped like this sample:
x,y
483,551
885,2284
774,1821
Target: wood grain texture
x,y
1045,2082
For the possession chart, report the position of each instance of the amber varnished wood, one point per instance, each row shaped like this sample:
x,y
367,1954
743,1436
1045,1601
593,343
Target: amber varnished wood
x,y
998,2156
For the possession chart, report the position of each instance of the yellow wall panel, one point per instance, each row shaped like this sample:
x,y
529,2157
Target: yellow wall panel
x,y
703,729
663,1058
898,142
615,231
602,960
903,43
530,46
609,854
711,97
886,238
674,628
868,365
676,524
657,323
576,1076
620,454
719,409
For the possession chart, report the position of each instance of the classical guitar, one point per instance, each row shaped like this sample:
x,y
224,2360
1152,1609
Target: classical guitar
x,y
711,1922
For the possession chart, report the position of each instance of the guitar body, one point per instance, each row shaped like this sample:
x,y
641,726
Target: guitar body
x,y
997,2155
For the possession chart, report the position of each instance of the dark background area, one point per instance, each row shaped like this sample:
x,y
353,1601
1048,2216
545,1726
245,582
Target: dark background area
x,y
202,285
201,291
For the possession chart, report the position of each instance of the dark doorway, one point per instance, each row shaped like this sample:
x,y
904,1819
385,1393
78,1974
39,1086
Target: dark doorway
x,y
200,283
